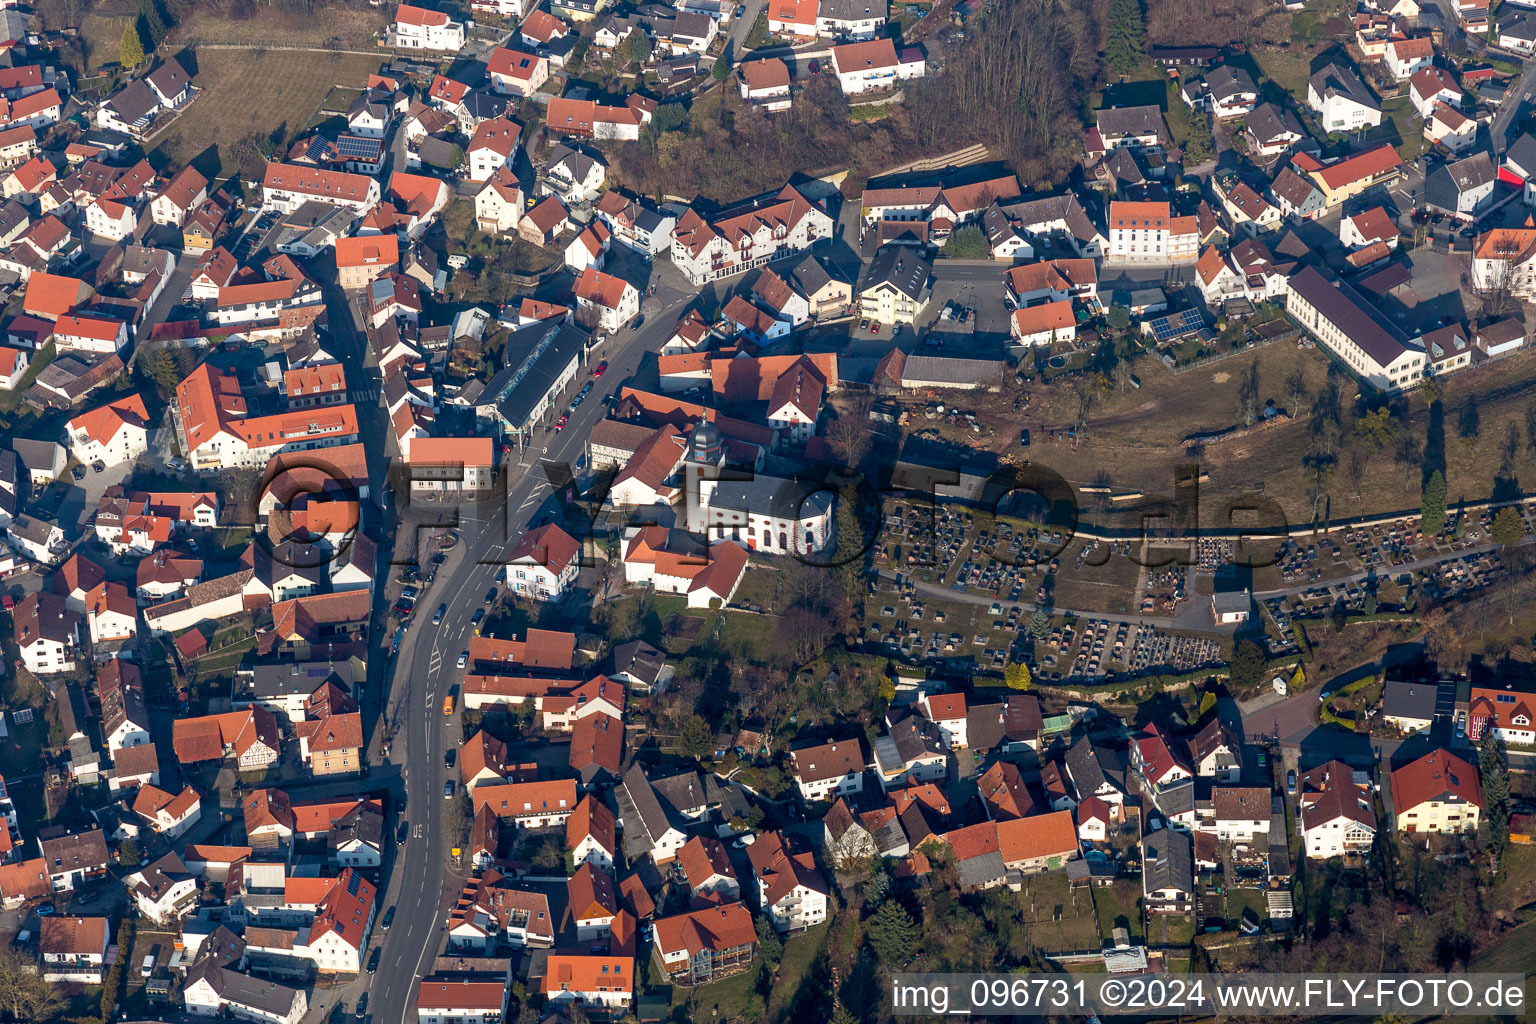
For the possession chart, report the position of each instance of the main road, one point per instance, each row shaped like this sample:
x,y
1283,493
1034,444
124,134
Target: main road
x,y
426,668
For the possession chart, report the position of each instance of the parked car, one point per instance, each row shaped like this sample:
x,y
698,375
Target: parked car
x,y
389,916
373,959
402,833
442,609
448,756
463,658
78,472
490,596
448,790
600,368
1290,782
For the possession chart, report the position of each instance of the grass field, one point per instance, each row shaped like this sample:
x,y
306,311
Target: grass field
x,y
1115,902
800,953
1134,438
1410,128
1060,918
256,93
350,28
101,35
1289,68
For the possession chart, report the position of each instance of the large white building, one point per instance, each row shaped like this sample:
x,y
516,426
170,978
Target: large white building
x,y
1350,327
1150,233
748,235
762,513
875,64
417,28
286,187
1342,100
215,431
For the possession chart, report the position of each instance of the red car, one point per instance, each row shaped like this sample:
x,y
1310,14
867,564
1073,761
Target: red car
x,y
600,368
560,424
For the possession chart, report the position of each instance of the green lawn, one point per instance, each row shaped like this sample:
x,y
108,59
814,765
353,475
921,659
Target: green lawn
x,y
1289,69
1114,902
1240,898
1170,930
1410,128
719,1000
1061,919
800,953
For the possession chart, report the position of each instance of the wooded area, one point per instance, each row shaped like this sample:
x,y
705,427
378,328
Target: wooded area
x,y
1014,83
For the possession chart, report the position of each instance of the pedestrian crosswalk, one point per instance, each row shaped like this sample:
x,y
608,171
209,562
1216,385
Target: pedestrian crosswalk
x,y
366,395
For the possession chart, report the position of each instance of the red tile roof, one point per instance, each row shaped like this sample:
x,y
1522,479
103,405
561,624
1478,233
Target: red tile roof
x,y
1435,776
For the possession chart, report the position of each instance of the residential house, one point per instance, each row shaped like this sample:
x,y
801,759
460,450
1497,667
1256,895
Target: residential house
x,y
1407,56
1168,871
112,434
1438,792
829,770
73,948
868,66
604,983
544,564
747,235
1338,818
788,887
574,176
706,945
418,28
896,286
1341,100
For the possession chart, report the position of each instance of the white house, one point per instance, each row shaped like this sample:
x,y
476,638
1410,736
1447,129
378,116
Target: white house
x,y
610,301
73,948
1241,813
493,146
1043,324
589,248
1406,56
114,433
544,564
867,66
748,235
1430,86
416,28
787,886
829,770
1342,100
515,72
1337,813
163,891
1449,127
88,333
461,999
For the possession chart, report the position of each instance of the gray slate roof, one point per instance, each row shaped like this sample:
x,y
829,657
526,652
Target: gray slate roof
x,y
1168,861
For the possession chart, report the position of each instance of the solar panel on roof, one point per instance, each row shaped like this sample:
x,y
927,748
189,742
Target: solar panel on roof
x,y
358,147
1174,325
